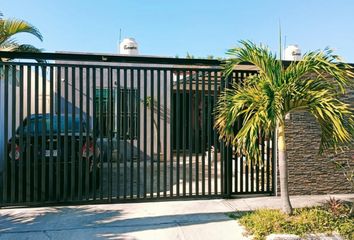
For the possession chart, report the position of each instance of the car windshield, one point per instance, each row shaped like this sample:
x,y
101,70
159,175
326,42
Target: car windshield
x,y
30,124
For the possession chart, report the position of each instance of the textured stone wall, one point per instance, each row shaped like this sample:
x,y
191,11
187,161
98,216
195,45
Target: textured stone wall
x,y
310,173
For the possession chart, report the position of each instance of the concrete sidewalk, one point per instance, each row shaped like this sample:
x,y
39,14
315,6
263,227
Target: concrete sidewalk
x,y
197,219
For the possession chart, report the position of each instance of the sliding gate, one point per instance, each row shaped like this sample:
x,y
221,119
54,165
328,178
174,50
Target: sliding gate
x,y
93,128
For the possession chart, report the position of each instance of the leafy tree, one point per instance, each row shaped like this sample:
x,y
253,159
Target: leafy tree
x,y
9,28
262,101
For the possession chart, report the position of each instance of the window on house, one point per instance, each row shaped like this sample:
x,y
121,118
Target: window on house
x,y
125,103
128,124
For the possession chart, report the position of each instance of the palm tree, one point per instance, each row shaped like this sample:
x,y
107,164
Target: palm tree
x,y
263,100
9,28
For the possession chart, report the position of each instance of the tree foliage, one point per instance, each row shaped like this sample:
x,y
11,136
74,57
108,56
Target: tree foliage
x,y
9,28
313,84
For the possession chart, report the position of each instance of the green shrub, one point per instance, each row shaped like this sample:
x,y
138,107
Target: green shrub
x,y
261,223
264,221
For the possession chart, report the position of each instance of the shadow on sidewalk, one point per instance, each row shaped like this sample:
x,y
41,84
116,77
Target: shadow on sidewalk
x,y
94,222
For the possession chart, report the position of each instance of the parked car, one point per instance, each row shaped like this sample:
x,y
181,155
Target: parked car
x,y
28,142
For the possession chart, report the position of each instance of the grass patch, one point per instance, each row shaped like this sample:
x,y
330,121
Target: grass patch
x,y
264,222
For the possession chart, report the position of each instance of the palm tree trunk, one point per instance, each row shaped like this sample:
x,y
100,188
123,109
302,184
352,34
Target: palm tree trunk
x,y
283,170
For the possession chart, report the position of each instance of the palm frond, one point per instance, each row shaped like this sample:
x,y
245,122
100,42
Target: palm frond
x,y
9,45
13,46
262,100
28,48
260,56
321,64
334,118
247,104
10,27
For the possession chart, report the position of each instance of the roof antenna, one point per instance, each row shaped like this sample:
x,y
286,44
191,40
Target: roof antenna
x,y
119,41
280,48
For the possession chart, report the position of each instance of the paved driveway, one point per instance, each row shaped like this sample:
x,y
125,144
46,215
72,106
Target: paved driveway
x,y
197,219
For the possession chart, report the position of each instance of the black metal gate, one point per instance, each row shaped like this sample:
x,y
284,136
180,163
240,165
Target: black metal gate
x,y
93,128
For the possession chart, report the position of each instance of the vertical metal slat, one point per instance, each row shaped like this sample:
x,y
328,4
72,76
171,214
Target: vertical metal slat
x,y
216,158
190,132
177,132
158,132
184,132
145,135
21,142
66,138
165,133
209,126
28,137
109,133
118,182
73,135
171,132
124,132
94,134
197,133
101,130
13,135
6,168
44,132
131,132
203,132
81,141
51,118
137,105
58,167
35,152
87,134
152,99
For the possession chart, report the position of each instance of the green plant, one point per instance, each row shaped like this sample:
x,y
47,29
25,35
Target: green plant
x,y
9,28
304,221
263,222
335,206
347,168
262,101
